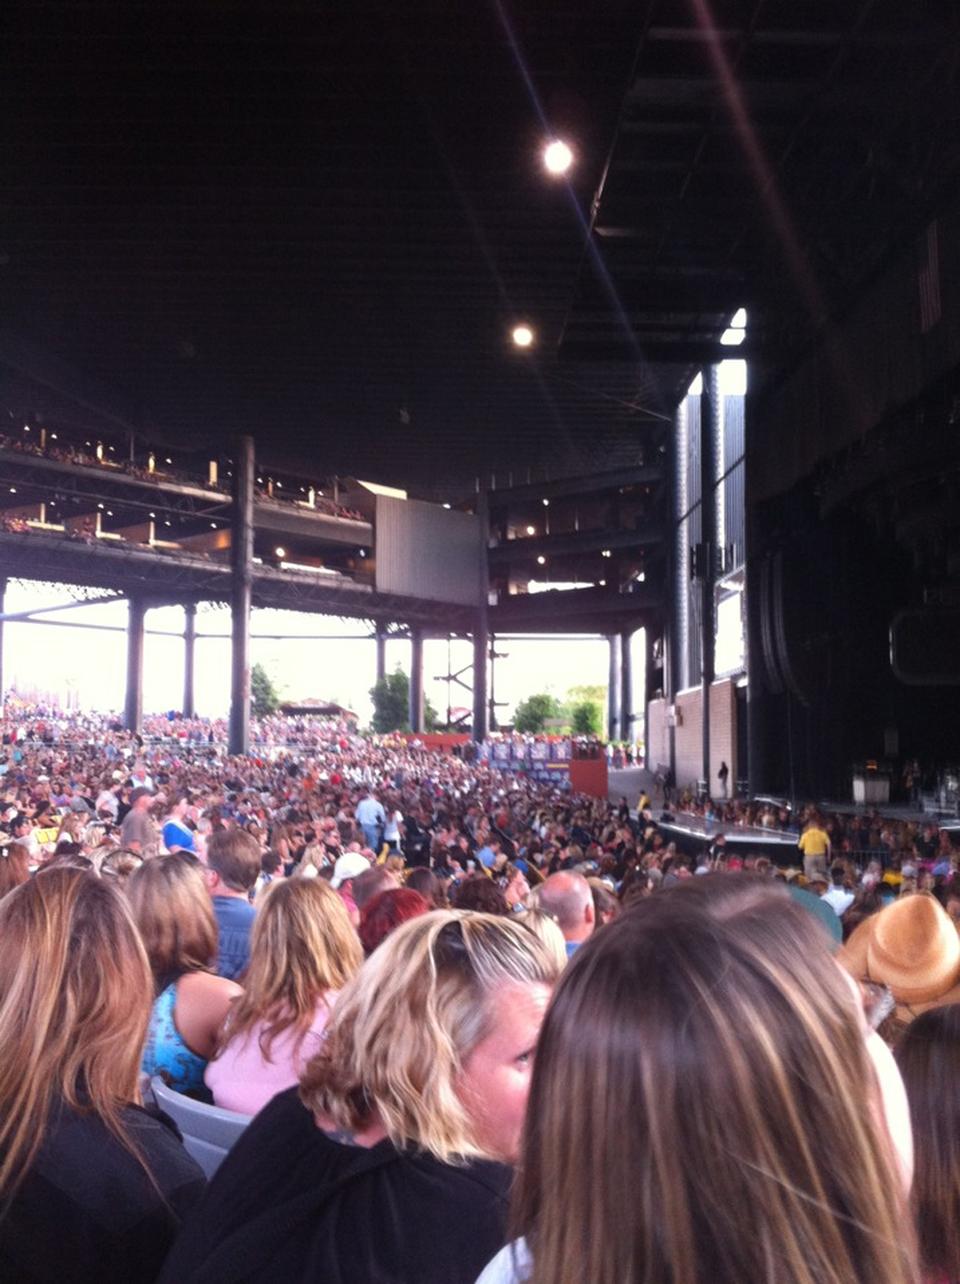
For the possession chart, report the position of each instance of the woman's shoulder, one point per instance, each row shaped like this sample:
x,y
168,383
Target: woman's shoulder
x,y
207,986
82,1155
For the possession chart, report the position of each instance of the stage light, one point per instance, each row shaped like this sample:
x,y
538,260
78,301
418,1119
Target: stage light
x,y
522,336
541,560
557,157
546,503
531,530
280,552
213,526
446,505
363,552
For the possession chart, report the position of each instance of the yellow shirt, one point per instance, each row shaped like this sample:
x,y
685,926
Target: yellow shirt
x,y
814,842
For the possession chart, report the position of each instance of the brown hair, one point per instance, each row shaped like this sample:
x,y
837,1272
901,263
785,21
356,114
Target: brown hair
x,y
174,914
14,866
235,855
302,945
929,1058
702,1062
75,995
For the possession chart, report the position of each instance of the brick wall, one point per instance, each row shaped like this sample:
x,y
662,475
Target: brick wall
x,y
723,734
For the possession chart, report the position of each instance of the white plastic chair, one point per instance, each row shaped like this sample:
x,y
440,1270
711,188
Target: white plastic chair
x,y
208,1131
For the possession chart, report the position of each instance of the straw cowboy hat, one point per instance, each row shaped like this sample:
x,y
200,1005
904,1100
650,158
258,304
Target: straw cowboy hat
x,y
913,948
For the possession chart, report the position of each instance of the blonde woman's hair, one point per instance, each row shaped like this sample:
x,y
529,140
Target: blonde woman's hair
x,y
174,915
75,996
703,1063
404,1026
546,929
302,945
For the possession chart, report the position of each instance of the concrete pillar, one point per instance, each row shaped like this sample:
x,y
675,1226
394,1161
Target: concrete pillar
x,y
481,635
133,702
241,557
416,679
626,688
189,646
710,425
481,647
381,655
614,708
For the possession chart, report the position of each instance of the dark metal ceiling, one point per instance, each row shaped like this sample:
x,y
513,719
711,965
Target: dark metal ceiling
x,y
317,222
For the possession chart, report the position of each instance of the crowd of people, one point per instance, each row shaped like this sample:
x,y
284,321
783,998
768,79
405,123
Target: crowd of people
x,y
482,1028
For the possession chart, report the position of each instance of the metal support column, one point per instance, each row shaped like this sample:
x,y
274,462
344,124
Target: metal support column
x,y
614,706
241,558
189,647
481,634
492,702
710,412
133,702
626,688
648,689
381,655
416,679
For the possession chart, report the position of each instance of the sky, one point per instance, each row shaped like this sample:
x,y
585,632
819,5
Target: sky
x,y
87,667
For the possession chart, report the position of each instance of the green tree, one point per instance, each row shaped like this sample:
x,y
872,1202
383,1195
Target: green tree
x,y
585,718
391,705
532,714
264,699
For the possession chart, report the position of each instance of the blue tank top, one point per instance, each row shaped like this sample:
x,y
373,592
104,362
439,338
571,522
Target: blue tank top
x,y
165,1053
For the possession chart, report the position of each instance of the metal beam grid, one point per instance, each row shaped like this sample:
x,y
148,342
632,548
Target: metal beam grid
x,y
768,155
177,577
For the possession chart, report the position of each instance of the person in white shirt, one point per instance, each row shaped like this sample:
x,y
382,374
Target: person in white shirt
x,y
838,898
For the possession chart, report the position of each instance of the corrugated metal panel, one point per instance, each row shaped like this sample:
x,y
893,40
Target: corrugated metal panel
x,y
426,551
733,486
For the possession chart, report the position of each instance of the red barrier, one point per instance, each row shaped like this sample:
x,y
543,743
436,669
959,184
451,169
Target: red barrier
x,y
589,776
440,741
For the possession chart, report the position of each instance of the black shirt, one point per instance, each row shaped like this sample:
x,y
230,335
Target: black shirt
x,y
88,1212
290,1204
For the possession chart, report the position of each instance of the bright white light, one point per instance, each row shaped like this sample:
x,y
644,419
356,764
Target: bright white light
x,y
363,552
557,157
213,526
606,553
732,338
522,336
739,319
541,560
531,530
280,551
446,505
546,503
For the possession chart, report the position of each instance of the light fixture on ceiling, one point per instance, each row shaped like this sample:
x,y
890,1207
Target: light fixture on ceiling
x,y
557,157
522,336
